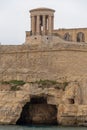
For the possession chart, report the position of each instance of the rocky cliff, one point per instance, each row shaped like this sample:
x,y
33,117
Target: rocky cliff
x,y
43,102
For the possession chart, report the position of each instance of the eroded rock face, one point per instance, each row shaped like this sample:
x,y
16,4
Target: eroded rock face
x,y
11,103
73,110
64,106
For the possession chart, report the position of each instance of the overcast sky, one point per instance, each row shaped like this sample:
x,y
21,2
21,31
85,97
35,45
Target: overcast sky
x,y
15,17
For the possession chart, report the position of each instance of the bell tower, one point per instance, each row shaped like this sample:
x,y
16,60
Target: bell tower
x,y
42,21
42,26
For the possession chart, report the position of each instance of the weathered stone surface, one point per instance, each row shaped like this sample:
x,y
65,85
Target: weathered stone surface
x,y
60,61
72,114
11,103
66,106
73,108
75,34
45,55
82,115
67,114
72,94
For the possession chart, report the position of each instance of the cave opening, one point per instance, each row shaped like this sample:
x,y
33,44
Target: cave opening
x,y
38,112
71,101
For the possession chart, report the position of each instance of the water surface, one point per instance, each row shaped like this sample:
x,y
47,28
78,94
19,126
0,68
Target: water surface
x,y
13,127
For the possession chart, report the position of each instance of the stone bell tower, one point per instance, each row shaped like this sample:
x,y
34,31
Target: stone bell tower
x,y
42,21
42,24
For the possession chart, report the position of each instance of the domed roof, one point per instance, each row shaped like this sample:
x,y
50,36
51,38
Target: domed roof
x,y
42,9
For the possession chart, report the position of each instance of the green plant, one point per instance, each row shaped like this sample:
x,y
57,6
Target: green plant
x,y
62,85
17,82
4,82
14,84
65,85
51,83
46,82
15,88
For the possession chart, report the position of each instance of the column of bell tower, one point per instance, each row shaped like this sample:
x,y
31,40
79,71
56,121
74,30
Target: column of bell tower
x,y
44,25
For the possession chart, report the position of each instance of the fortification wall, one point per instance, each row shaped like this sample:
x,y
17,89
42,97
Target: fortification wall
x,y
72,32
49,61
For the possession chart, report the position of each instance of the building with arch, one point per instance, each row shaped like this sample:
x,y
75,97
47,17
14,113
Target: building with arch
x,y
74,35
42,29
47,53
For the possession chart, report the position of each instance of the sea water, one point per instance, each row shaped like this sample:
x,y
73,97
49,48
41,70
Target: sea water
x,y
15,127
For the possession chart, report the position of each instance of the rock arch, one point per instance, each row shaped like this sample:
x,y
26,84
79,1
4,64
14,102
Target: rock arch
x,y
37,111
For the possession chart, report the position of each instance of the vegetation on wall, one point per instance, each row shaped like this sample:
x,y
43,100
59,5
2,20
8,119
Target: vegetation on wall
x,y
15,84
51,83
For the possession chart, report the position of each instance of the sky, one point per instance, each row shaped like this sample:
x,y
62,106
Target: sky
x,y
15,17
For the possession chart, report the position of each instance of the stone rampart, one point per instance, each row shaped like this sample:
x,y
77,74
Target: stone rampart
x,y
72,34
62,61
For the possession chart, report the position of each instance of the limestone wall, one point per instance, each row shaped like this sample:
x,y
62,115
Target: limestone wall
x,y
72,32
60,61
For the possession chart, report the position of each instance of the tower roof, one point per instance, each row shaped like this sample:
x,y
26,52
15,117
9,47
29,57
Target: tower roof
x,y
42,9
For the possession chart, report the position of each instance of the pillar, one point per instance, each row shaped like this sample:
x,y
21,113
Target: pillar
x,y
52,23
44,24
38,25
33,25
49,25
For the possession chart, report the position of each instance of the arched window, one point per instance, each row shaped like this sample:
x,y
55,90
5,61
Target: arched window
x,y
80,37
67,37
